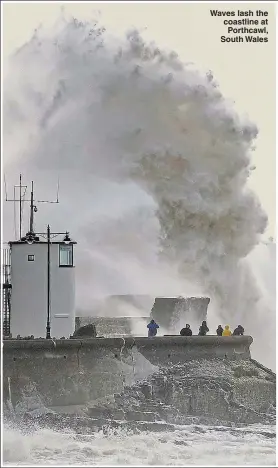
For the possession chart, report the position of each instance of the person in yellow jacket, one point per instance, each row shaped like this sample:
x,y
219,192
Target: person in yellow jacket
x,y
226,331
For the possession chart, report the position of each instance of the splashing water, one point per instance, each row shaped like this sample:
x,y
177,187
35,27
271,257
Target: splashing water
x,y
191,445
153,166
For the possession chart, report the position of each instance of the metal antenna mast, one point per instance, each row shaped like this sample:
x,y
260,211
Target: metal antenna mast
x,y
33,207
20,200
20,207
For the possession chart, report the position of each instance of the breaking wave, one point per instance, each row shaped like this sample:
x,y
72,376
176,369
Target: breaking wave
x,y
190,445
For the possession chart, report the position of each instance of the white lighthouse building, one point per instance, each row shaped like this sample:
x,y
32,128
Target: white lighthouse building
x,y
42,278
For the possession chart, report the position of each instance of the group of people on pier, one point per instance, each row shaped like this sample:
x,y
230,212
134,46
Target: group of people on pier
x,y
203,330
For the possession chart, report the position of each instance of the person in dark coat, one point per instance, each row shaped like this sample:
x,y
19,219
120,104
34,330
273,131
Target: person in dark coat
x,y
203,329
239,330
152,326
186,331
219,330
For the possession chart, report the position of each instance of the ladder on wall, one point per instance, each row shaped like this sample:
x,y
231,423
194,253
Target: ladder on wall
x,y
6,292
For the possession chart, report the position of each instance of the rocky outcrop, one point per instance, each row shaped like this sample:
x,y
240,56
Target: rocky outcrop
x,y
210,392
199,392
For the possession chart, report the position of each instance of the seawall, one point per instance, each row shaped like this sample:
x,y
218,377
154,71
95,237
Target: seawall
x,y
168,378
75,371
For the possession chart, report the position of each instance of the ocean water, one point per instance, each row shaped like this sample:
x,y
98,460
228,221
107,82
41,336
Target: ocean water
x,y
187,445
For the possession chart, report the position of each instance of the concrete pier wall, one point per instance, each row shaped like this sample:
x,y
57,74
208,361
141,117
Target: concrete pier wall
x,y
172,313
129,314
115,326
74,372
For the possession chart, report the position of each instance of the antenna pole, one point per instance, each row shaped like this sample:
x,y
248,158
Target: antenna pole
x,y
20,207
21,199
58,186
32,210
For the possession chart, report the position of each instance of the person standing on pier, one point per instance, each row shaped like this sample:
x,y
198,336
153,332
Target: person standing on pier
x,y
203,329
227,331
219,330
239,330
186,331
152,326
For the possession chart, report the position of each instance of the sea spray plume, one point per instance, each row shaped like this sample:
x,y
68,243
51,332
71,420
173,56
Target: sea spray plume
x,y
202,189
101,109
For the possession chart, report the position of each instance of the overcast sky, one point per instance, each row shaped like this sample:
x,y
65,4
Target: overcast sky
x,y
245,72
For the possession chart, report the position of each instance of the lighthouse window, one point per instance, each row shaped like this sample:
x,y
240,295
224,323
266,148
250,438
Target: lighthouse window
x,y
66,255
31,258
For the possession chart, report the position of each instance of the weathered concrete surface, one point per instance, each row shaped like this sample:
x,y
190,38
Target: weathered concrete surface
x,y
129,314
113,326
171,377
78,370
172,313
167,351
64,372
86,331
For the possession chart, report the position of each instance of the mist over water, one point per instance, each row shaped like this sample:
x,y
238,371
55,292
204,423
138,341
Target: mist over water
x,y
153,165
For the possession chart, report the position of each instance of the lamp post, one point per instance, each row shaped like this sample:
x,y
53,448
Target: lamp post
x,y
48,336
48,236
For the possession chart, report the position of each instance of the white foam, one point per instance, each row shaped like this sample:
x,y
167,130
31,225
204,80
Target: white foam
x,y
187,446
